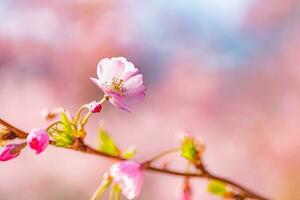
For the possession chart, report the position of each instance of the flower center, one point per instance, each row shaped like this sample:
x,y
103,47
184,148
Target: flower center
x,y
117,85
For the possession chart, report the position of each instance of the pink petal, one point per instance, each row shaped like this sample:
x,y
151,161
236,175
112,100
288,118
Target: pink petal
x,y
138,89
129,74
132,99
100,65
134,82
129,176
119,102
95,81
9,152
113,70
38,140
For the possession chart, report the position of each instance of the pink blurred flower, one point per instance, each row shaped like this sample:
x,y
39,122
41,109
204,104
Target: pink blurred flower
x,y
94,107
185,191
129,176
121,81
38,140
10,151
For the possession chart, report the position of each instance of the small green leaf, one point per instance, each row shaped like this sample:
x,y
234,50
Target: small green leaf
x,y
63,132
188,149
61,138
107,144
217,188
64,137
66,124
129,153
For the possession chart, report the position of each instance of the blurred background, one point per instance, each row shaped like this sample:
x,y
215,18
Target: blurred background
x,y
229,71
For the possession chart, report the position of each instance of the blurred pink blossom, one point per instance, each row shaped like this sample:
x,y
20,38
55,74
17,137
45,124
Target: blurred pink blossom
x,y
185,191
121,81
129,176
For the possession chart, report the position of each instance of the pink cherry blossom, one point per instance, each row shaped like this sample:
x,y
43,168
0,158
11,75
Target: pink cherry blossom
x,y
94,107
38,140
9,152
129,176
121,81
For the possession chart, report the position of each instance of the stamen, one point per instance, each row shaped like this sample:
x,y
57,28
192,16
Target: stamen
x,y
117,85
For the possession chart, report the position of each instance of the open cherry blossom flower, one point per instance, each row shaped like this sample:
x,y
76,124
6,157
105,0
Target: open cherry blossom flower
x,y
129,176
38,140
121,81
10,151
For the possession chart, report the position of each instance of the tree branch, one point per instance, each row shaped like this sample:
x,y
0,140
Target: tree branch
x,y
79,145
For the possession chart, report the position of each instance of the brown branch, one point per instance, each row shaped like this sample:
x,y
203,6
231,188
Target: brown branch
x,y
14,132
79,145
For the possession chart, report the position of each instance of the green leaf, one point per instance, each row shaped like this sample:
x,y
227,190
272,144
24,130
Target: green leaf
x,y
188,149
66,124
64,137
216,187
63,132
129,153
107,144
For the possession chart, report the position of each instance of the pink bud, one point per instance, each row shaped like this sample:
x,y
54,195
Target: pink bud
x,y
9,152
185,191
185,195
95,107
38,140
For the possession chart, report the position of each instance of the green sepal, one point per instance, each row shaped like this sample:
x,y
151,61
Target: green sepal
x,y
129,152
216,187
188,149
107,144
63,132
66,124
62,137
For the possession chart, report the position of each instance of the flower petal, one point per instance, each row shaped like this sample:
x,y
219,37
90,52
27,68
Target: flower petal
x,y
113,70
134,82
100,65
129,176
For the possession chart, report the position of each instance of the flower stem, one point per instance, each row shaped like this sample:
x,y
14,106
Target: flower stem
x,y
88,115
115,193
102,188
160,155
77,116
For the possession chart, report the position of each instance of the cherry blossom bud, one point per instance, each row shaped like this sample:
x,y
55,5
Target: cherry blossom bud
x,y
38,140
192,148
185,191
94,107
10,151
